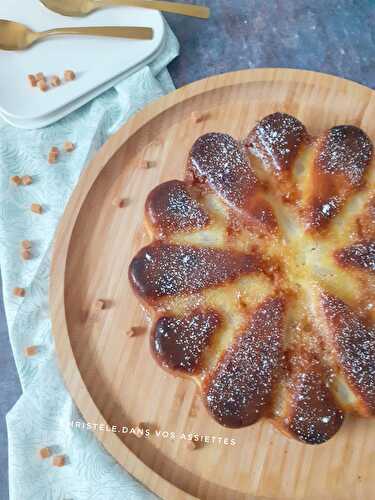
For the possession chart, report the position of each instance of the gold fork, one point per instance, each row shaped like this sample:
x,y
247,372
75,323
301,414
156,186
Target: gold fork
x,y
83,7
17,36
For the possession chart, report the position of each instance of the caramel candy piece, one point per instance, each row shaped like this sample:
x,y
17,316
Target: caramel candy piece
x,y
55,81
26,180
69,75
44,453
198,117
26,254
53,155
32,80
139,432
193,445
52,158
69,146
36,208
99,305
147,164
19,292
132,332
119,202
26,244
31,350
58,461
144,426
42,85
16,180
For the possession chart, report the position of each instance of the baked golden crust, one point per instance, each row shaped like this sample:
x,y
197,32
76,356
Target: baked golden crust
x,y
162,270
309,412
170,208
260,276
238,392
219,162
178,342
276,140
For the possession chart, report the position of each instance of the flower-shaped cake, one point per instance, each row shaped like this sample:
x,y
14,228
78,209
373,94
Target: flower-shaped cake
x,y
260,276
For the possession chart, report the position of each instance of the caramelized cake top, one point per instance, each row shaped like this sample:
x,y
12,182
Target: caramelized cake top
x,y
260,276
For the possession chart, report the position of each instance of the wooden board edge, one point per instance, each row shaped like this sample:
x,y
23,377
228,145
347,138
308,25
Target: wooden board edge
x,y
67,364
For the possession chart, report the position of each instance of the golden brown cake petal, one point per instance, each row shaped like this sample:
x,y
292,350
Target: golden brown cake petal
x,y
354,344
178,342
160,270
310,414
239,391
170,208
220,162
276,140
345,150
341,159
360,255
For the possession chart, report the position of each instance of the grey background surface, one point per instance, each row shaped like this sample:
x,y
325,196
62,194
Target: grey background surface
x,y
333,36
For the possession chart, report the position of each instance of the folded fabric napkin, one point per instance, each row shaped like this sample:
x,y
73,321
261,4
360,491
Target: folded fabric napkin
x,y
42,416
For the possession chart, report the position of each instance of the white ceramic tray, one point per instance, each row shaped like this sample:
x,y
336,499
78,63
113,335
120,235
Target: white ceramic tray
x,y
46,120
98,62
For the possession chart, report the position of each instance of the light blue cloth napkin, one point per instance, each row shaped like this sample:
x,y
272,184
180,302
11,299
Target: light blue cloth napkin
x,y
42,415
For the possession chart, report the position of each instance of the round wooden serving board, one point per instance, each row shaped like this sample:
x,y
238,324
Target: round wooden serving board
x,y
112,377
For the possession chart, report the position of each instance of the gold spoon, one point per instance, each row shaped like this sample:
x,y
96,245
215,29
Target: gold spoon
x,y
16,36
83,7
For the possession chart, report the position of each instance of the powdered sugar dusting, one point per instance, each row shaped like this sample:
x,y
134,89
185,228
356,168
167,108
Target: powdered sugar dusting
x,y
321,212
355,344
240,389
181,206
360,255
347,150
172,209
178,343
161,270
328,208
342,156
314,416
276,140
219,160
